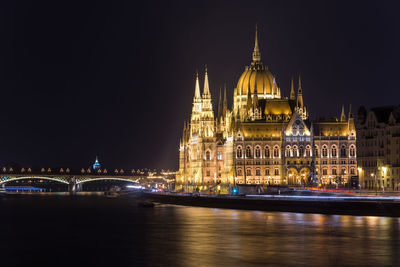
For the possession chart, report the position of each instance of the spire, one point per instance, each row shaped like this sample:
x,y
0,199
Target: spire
x,y
96,164
219,104
206,91
225,107
292,94
342,115
249,102
256,51
300,95
197,87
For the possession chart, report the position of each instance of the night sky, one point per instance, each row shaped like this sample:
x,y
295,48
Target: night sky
x,y
116,78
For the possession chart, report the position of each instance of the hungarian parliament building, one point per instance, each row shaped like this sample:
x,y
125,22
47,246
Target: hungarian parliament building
x,y
266,138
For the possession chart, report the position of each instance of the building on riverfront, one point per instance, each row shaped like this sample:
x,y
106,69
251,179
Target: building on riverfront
x,y
264,139
378,147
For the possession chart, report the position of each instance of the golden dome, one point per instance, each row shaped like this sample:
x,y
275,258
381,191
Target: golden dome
x,y
257,77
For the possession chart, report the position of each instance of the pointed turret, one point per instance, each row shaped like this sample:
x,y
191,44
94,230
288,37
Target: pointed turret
x,y
342,115
256,51
197,87
219,104
350,122
292,94
225,107
96,164
249,102
206,91
300,95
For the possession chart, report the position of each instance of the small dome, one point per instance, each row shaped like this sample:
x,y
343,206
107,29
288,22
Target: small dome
x,y
257,77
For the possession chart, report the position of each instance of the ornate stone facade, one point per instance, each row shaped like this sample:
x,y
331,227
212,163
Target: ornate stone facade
x,y
265,139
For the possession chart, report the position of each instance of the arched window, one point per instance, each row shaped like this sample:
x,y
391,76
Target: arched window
x,y
308,151
301,151
324,171
352,171
352,151
248,172
208,155
267,152
266,171
276,152
334,151
248,152
239,172
257,152
295,152
343,151
239,152
334,172
258,172
324,151
276,171
287,151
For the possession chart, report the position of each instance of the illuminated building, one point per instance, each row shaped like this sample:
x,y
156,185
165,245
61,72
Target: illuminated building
x,y
379,143
96,164
264,139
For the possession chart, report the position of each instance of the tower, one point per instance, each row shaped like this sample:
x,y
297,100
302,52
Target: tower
x,y
96,164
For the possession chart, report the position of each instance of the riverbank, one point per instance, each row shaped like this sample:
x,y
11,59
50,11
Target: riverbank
x,y
360,206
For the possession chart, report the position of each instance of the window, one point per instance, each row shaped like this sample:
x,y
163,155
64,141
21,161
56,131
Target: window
x,y
324,151
276,171
308,151
334,171
295,151
266,171
343,172
276,152
343,151
301,151
219,155
334,151
208,155
248,172
352,171
239,172
266,152
258,152
324,171
258,172
352,151
248,152
239,153
287,151
208,174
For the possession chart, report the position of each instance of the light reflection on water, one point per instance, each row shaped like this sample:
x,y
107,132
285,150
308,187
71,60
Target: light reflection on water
x,y
211,237
96,231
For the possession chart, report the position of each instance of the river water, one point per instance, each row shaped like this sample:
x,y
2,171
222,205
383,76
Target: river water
x,y
91,230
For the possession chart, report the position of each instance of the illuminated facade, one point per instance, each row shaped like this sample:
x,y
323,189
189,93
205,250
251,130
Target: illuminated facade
x,y
379,145
264,139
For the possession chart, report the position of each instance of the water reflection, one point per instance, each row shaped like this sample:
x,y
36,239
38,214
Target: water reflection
x,y
210,237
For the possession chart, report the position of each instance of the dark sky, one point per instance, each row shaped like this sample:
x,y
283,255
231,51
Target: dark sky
x,y
116,78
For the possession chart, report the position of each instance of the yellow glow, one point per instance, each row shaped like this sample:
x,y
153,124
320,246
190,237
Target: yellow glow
x,y
384,169
359,169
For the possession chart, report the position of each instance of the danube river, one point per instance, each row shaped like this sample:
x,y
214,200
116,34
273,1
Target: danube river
x,y
91,230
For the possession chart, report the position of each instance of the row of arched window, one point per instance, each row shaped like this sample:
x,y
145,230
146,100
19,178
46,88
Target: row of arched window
x,y
267,172
258,152
298,151
333,151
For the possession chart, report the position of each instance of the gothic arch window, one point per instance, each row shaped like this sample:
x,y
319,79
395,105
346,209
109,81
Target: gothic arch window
x,y
324,171
301,151
248,172
324,151
267,153
295,152
287,151
258,172
334,151
257,152
239,152
343,151
267,172
352,151
276,152
208,155
248,152
308,151
239,172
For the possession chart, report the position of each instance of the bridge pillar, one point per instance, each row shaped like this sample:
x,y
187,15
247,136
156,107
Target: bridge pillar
x,y
73,186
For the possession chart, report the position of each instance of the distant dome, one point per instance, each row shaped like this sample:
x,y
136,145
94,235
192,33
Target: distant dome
x,y
257,77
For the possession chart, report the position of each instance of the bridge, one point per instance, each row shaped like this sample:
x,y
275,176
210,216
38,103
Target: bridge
x,y
75,178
